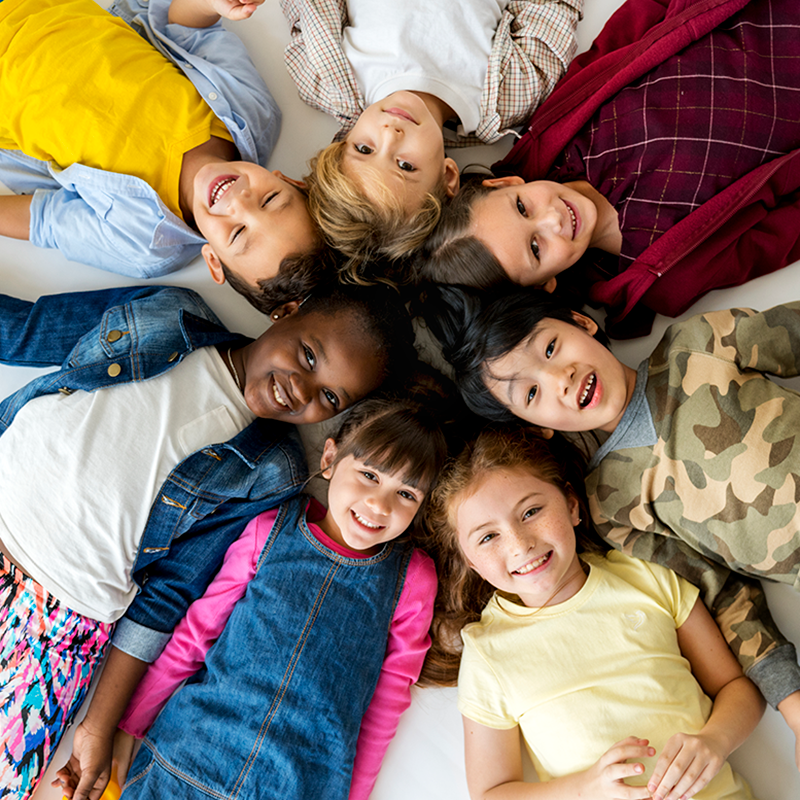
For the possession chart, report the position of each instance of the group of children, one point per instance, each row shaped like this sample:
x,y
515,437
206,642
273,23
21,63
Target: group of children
x,y
299,630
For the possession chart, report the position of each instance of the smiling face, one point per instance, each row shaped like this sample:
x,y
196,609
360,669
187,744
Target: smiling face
x,y
397,143
252,219
308,367
517,532
366,506
560,377
535,230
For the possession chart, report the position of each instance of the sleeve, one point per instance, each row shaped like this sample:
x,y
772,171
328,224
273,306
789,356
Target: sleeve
x,y
767,341
405,653
114,232
533,46
737,603
44,333
199,629
316,61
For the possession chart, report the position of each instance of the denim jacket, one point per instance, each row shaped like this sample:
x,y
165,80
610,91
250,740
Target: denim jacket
x,y
106,338
118,222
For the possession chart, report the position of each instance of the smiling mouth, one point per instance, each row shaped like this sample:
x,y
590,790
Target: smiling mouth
x,y
572,217
399,112
280,397
588,391
218,189
530,567
365,522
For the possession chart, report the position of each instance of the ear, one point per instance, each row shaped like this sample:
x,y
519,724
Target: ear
x,y
292,181
284,310
452,177
550,286
328,457
574,508
508,180
213,263
587,323
546,433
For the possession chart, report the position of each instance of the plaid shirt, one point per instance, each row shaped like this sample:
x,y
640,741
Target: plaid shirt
x,y
533,45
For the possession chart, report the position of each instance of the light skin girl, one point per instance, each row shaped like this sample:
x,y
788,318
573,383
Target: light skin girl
x,y
517,532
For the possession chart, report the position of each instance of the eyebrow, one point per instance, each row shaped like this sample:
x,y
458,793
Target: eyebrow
x,y
523,501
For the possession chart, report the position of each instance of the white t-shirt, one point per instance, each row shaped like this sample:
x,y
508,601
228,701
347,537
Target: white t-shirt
x,y
79,473
434,46
579,676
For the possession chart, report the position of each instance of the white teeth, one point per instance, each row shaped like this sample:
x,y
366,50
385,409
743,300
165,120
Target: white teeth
x,y
572,217
220,188
366,523
589,385
279,399
532,566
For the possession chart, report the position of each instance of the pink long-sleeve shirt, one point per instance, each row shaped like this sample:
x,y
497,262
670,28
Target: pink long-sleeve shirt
x,y
206,618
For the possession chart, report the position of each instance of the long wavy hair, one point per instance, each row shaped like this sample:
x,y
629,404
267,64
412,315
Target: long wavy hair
x,y
463,594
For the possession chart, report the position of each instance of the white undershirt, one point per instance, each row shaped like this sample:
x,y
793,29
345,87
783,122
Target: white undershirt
x,y
79,473
434,46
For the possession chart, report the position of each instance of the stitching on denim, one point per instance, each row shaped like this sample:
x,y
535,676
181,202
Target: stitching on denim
x,y
182,775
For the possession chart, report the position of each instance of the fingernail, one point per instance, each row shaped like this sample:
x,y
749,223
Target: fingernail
x,y
639,768
651,751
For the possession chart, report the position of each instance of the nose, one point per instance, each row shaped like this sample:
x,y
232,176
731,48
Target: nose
x,y
301,389
517,542
378,501
240,198
547,218
563,377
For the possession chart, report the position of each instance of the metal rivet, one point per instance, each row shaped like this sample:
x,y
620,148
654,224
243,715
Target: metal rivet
x,y
113,336
172,357
114,370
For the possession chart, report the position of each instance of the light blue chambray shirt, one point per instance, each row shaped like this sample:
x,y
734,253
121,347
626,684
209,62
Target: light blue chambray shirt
x,y
118,222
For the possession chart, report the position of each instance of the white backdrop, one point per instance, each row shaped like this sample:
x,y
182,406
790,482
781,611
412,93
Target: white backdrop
x,y
425,759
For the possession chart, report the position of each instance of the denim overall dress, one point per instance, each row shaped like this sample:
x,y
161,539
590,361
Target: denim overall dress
x,y
276,710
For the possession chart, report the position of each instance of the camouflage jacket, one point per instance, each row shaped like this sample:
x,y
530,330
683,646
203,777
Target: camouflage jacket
x,y
703,473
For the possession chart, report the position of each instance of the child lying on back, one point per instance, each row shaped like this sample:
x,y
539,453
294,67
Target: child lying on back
x,y
146,150
702,459
394,74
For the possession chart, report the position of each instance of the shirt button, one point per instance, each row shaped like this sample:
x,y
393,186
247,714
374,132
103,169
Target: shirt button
x,y
114,370
113,336
172,357
187,65
212,96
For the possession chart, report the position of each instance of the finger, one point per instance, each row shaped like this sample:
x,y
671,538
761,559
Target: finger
x,y
694,779
88,785
624,752
668,754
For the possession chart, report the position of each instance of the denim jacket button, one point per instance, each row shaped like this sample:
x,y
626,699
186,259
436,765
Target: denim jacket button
x,y
113,336
114,370
172,357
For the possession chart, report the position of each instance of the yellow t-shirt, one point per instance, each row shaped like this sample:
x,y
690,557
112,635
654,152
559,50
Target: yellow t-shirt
x,y
78,85
580,676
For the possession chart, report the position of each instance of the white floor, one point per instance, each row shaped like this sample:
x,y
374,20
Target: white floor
x,y
425,759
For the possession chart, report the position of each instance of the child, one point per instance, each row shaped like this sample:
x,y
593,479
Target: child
x,y
507,516
411,68
290,709
700,464
139,170
695,190
174,428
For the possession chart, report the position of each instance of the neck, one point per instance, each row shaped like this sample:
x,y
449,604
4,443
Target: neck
x,y
440,111
215,149
606,235
630,386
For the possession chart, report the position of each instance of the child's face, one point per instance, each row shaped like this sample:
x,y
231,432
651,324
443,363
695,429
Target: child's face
x,y
535,230
306,368
560,377
366,506
252,218
517,532
398,142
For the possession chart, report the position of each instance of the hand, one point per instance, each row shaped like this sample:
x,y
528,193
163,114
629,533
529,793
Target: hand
x,y
686,764
235,9
790,709
123,754
606,778
86,773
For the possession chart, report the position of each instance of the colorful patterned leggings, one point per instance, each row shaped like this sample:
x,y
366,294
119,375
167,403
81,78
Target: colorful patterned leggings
x,y
47,656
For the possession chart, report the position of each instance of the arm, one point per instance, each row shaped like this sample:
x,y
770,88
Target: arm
x,y
533,46
15,215
494,769
688,762
736,602
405,653
199,629
205,13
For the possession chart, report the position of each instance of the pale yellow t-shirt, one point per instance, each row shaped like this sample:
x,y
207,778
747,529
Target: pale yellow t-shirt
x,y
580,676
77,85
